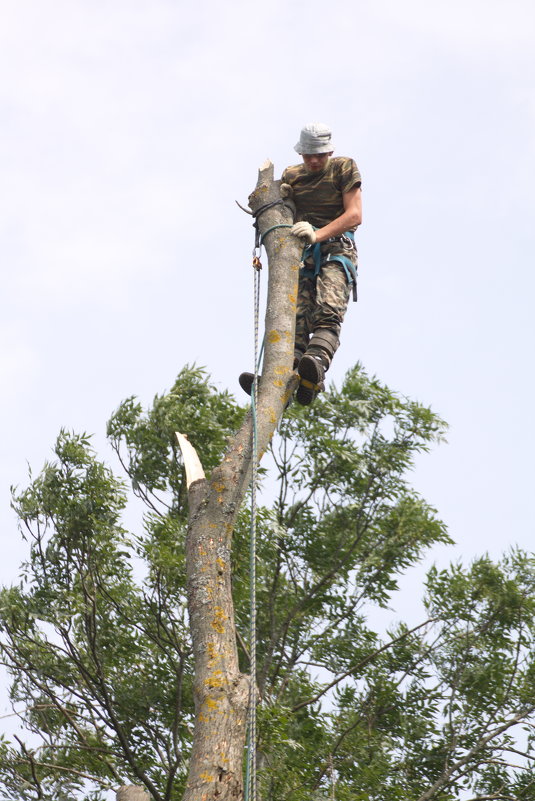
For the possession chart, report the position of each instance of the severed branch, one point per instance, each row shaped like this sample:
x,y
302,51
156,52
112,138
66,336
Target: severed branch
x,y
192,463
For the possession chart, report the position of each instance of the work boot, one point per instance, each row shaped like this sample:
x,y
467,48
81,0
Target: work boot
x,y
246,380
311,370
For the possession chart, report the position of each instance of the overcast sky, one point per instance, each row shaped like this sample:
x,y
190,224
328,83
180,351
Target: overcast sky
x,y
129,129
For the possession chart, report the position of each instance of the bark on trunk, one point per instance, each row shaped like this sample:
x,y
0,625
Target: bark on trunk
x,y
221,691
131,792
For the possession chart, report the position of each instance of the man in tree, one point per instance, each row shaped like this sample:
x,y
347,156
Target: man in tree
x,y
327,196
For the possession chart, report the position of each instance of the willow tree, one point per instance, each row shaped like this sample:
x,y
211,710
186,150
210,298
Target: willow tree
x,y
221,691
127,649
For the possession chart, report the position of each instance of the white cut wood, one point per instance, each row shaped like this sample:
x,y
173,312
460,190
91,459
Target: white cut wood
x,y
192,463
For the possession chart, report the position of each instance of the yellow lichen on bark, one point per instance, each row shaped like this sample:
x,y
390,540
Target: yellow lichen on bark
x,y
216,680
220,618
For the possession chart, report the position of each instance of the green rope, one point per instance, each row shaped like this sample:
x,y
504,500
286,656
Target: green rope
x,y
281,225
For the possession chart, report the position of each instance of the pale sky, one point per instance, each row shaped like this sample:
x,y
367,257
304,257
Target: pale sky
x,y
130,128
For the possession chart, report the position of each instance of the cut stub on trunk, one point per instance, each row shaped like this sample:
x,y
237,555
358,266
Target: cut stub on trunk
x,y
192,463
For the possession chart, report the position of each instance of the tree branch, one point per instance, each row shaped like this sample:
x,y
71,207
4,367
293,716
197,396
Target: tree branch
x,y
361,664
481,743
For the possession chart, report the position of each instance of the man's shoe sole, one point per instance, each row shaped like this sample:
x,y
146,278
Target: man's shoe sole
x,y
246,381
311,373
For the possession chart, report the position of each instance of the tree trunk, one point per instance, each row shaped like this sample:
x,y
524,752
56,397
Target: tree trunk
x,y
221,691
131,792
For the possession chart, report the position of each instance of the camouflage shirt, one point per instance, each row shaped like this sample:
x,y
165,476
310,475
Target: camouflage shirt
x,y
318,196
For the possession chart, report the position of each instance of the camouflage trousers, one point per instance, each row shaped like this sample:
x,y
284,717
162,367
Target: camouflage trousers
x,y
321,307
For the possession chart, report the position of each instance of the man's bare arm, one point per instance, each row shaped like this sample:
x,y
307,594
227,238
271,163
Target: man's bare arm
x,y
351,216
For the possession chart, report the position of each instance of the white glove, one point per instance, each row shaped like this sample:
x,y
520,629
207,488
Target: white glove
x,y
286,190
304,230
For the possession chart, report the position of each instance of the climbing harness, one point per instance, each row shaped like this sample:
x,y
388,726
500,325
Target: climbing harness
x,y
314,252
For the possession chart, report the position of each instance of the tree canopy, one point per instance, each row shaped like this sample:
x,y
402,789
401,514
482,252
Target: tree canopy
x,y
96,636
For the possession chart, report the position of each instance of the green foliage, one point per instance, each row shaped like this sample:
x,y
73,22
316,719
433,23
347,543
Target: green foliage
x,y
193,406
96,639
